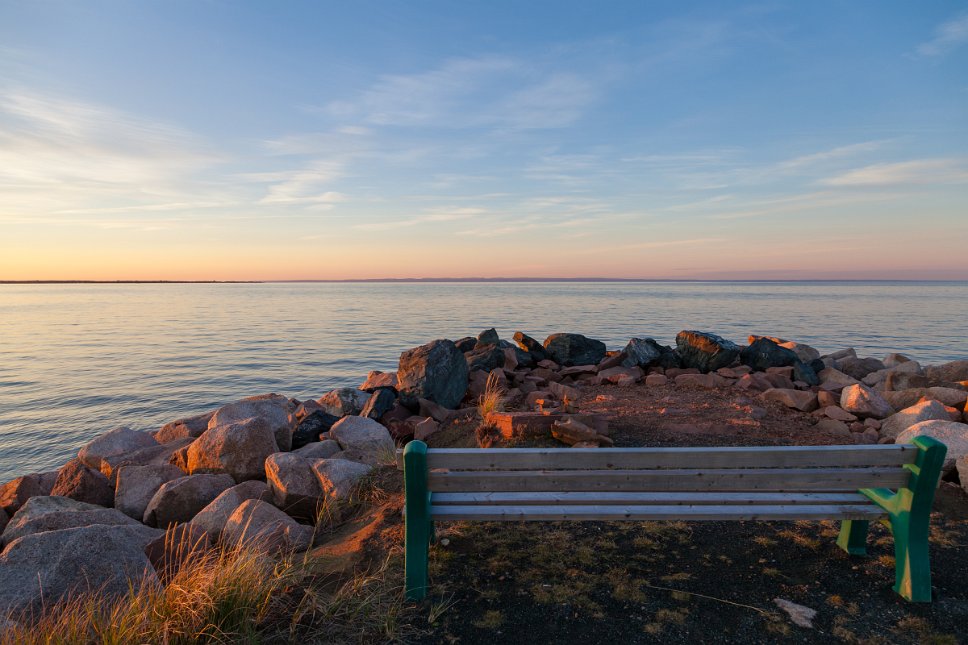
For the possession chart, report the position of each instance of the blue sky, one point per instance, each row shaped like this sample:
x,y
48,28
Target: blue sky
x,y
224,140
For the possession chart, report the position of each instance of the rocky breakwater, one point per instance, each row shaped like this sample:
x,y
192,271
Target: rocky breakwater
x,y
261,470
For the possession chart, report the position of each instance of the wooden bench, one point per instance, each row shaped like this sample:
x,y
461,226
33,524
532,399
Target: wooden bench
x,y
853,484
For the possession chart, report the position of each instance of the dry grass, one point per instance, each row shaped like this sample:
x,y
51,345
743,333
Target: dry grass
x,y
494,397
243,594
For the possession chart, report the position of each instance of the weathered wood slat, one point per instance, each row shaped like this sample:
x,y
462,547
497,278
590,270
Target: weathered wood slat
x,y
640,499
688,513
649,458
726,479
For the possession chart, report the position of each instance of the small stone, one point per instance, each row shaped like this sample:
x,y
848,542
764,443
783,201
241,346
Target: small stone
x,y
796,399
835,412
425,428
833,426
654,380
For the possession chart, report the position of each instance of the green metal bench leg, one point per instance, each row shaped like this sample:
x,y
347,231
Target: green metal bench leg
x,y
912,567
909,513
853,536
418,524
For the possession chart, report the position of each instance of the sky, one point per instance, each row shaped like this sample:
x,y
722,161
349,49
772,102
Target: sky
x,y
215,140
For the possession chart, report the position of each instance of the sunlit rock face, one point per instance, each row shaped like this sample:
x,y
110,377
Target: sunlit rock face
x,y
436,371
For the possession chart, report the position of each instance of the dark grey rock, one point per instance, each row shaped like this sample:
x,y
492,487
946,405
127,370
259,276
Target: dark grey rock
x,y
858,368
525,359
466,344
704,351
311,427
764,353
574,349
484,357
646,352
435,371
804,372
380,403
532,346
488,337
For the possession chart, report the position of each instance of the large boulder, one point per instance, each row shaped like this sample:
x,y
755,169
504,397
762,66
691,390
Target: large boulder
x,y
704,351
343,401
864,402
951,433
53,513
574,349
259,525
804,352
858,368
213,517
362,434
880,376
275,410
76,481
436,371
763,353
311,427
337,477
40,569
189,427
16,492
115,442
530,345
138,484
921,411
181,499
295,487
646,352
238,448
947,372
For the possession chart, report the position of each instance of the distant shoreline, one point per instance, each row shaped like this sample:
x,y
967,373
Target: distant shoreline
x,y
494,280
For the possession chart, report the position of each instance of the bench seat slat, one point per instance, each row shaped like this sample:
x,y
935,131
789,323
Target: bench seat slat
x,y
651,458
663,512
639,499
765,479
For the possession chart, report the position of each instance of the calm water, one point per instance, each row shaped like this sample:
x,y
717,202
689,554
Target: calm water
x,y
76,360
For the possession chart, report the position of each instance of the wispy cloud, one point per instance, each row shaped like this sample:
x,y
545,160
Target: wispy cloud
x,y
484,92
947,37
921,171
432,216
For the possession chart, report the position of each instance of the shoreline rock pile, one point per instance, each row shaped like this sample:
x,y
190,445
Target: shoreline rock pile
x,y
259,470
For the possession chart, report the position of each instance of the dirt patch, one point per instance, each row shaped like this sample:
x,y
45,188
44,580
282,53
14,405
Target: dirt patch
x,y
715,582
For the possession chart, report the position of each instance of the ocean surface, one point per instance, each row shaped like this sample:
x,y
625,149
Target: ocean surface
x,y
77,360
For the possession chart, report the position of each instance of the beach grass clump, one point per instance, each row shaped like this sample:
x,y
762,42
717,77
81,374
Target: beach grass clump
x,y
229,595
494,397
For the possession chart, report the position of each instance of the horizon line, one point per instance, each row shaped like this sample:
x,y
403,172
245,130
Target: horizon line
x,y
482,279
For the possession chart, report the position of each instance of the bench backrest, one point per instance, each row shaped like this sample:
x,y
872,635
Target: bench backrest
x,y
712,469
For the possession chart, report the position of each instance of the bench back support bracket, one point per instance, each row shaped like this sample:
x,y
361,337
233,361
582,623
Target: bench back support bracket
x,y
418,523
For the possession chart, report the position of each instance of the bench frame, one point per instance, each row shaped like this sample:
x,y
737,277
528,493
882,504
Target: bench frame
x,y
908,511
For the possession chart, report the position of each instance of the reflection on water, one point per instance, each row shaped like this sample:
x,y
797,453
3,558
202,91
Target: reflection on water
x,y
76,360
